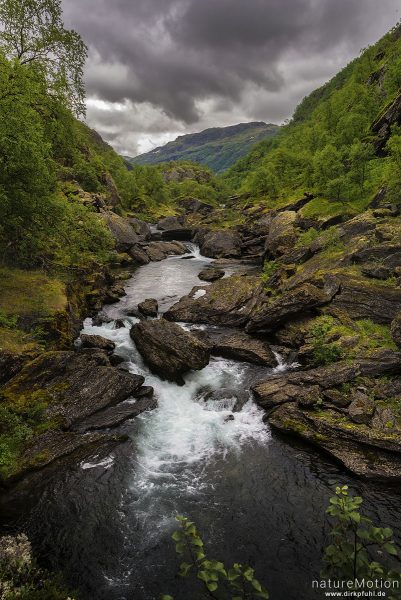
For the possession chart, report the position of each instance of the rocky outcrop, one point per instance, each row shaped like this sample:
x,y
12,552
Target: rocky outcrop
x,y
228,302
328,407
170,223
10,364
69,387
282,234
149,307
141,228
292,303
116,415
193,205
243,347
362,299
96,341
157,251
120,228
364,451
169,350
211,274
382,125
219,244
72,385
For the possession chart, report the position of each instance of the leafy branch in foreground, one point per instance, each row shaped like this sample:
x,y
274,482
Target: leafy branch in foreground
x,y
354,541
218,582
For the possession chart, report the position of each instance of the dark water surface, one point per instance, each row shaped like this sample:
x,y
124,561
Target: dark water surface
x,y
255,497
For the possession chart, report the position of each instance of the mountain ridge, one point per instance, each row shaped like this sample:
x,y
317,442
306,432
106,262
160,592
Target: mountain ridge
x,y
216,147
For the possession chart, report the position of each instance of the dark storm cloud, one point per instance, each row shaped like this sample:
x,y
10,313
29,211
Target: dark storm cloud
x,y
177,55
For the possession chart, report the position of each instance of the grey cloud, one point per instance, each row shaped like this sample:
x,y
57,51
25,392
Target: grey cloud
x,y
178,54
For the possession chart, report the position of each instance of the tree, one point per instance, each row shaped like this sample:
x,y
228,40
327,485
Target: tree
x,y
33,33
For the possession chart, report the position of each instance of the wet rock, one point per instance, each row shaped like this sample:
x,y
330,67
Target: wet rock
x,y
139,255
149,307
116,415
229,302
146,391
157,251
116,360
211,274
365,451
220,244
114,293
243,347
74,385
96,341
361,408
226,399
170,223
169,350
184,234
291,387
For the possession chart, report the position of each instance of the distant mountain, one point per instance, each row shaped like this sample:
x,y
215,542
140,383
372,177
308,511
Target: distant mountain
x,y
218,147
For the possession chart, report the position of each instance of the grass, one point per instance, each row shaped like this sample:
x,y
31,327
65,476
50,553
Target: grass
x,y
24,293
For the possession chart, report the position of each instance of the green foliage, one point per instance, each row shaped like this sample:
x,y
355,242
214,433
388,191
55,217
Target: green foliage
x,y
357,546
217,581
33,34
269,269
324,352
21,577
326,148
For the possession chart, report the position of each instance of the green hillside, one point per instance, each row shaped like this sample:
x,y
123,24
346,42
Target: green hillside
x,y
343,143
218,147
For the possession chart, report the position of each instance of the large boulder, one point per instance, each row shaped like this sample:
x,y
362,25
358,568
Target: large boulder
x,y
170,223
96,341
157,251
211,274
243,347
141,228
220,244
120,228
169,350
290,304
71,385
193,205
228,302
149,307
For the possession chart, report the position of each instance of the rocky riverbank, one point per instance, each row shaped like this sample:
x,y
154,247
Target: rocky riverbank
x,y
328,291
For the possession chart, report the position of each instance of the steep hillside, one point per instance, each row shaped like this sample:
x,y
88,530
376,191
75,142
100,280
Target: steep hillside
x,y
342,144
218,147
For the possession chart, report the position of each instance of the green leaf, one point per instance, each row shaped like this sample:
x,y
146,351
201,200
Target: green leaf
x,y
177,536
166,597
390,549
180,548
212,586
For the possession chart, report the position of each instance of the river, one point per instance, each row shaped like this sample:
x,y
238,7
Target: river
x,y
256,498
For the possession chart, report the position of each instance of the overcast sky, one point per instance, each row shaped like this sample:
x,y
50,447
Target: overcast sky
x,y
161,68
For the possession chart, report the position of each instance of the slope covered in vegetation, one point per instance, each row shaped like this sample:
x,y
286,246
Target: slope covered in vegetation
x,y
340,145
217,148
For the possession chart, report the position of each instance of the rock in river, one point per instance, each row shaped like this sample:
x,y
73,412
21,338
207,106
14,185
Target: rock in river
x,y
96,341
241,346
168,349
211,274
149,307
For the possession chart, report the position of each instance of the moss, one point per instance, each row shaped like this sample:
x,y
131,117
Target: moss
x,y
24,293
295,426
